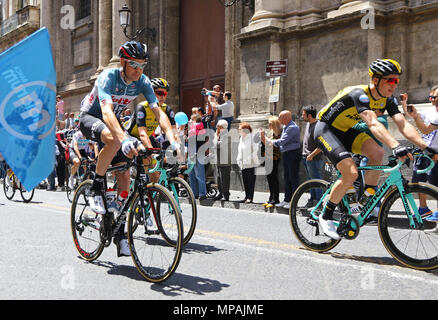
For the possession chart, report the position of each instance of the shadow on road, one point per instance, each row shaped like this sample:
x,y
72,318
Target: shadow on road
x,y
180,284
176,285
199,248
386,261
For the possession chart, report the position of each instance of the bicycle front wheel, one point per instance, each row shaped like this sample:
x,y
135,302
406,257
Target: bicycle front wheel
x,y
155,258
304,225
413,247
85,224
26,195
186,202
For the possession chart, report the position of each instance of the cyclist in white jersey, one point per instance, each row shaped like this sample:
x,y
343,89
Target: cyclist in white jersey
x,y
78,150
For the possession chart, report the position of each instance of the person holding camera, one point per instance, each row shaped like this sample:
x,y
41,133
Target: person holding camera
x,y
427,123
227,108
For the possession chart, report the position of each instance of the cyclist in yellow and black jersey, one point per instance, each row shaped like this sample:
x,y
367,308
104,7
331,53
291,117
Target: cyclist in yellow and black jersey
x,y
143,123
335,136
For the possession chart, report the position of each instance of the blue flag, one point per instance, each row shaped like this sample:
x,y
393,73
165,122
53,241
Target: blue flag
x,y
27,108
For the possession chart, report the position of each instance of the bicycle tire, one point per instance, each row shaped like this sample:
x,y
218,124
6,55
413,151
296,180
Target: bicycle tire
x,y
188,215
88,224
68,191
9,187
26,195
149,251
398,237
304,226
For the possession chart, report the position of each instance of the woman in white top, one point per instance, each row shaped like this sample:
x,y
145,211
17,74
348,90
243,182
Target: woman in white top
x,y
247,159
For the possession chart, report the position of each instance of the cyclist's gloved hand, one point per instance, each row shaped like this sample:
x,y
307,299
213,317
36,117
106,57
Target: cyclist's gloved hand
x,y
430,152
127,146
400,151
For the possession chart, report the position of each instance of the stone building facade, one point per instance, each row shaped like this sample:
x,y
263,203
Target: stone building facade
x,y
328,45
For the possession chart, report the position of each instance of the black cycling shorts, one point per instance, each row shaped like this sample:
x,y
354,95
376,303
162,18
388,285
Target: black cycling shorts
x,y
92,127
338,145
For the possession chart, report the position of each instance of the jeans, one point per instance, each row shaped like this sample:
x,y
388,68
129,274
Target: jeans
x,y
313,170
197,180
291,166
51,179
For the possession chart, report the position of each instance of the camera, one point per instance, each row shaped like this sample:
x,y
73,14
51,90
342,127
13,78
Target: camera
x,y
409,107
205,92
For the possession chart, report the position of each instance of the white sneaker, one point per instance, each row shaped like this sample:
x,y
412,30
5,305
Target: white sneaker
x,y
281,204
149,222
124,248
96,204
329,228
287,205
71,182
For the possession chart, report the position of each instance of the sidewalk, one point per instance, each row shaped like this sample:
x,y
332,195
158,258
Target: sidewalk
x,y
236,196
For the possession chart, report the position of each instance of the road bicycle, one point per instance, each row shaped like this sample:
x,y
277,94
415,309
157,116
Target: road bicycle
x,y
155,249
403,231
85,171
11,184
181,191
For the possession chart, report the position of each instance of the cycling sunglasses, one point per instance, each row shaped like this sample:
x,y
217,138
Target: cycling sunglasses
x,y
433,97
392,80
161,93
136,65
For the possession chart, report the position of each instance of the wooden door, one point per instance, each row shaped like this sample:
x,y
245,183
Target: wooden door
x,y
202,50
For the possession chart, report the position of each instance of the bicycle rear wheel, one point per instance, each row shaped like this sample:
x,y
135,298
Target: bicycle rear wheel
x,y
9,186
155,258
413,247
85,224
304,225
186,202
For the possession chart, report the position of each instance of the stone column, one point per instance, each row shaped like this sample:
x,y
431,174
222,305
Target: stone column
x,y
118,38
46,15
267,13
105,34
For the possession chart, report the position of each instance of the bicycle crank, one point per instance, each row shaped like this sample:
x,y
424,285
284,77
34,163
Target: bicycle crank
x,y
348,227
313,223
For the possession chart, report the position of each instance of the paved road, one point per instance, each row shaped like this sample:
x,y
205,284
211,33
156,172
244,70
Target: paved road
x,y
234,254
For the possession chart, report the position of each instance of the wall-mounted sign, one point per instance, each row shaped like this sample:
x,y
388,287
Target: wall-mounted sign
x,y
276,68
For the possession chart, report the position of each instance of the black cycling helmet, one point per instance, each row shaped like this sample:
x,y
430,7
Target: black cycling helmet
x,y
133,50
384,67
160,83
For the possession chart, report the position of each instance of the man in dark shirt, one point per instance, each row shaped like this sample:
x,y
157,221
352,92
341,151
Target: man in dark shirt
x,y
312,156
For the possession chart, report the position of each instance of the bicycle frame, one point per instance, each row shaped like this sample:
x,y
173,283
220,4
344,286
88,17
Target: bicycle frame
x,y
163,178
394,179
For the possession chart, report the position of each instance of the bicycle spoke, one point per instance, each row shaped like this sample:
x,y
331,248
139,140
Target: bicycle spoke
x,y
155,258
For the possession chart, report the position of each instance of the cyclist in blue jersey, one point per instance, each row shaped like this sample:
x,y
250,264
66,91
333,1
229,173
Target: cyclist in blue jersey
x,y
113,91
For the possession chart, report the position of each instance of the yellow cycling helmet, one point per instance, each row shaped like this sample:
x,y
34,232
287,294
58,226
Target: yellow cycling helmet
x,y
384,67
160,83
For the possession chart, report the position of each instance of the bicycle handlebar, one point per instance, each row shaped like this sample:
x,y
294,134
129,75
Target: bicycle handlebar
x,y
416,153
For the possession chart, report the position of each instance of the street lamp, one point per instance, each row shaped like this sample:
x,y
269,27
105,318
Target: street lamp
x,y
125,20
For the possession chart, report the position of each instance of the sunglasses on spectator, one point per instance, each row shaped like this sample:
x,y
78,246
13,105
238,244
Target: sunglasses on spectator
x,y
433,97
161,93
136,65
392,80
